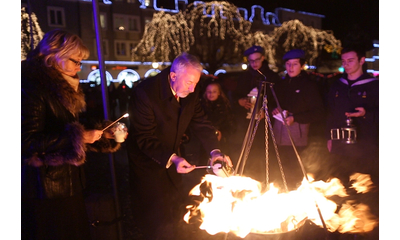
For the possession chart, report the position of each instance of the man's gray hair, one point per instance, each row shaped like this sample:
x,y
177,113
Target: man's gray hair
x,y
184,60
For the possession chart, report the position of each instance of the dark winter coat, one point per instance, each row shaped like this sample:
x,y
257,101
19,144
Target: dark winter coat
x,y
157,123
220,115
52,147
251,79
301,98
363,92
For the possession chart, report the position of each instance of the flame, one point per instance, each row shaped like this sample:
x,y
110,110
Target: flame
x,y
236,204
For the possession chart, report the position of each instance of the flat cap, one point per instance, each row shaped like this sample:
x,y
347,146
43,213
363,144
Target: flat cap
x,y
254,49
295,53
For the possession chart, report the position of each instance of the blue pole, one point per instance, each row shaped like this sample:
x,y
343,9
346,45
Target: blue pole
x,y
106,108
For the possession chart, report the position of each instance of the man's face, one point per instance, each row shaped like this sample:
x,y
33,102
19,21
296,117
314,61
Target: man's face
x,y
184,82
293,67
255,60
351,63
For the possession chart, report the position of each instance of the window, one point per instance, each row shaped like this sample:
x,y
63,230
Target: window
x,y
119,23
126,23
120,48
105,48
55,17
130,1
133,24
103,21
124,48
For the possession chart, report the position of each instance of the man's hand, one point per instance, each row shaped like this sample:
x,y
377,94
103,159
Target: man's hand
x,y
360,112
182,166
329,145
217,155
244,102
289,120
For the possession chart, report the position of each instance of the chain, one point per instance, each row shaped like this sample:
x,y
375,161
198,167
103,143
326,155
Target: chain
x,y
268,120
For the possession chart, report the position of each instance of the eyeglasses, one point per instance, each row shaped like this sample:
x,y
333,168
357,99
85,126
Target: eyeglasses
x,y
255,60
76,62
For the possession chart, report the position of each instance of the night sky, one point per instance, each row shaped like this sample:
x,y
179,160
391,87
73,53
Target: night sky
x,y
341,16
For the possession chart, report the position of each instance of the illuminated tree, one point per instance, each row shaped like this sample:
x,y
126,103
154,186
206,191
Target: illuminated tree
x,y
294,34
165,37
219,31
213,31
31,33
218,34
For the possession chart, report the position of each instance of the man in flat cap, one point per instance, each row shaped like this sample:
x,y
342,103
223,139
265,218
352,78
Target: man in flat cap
x,y
251,79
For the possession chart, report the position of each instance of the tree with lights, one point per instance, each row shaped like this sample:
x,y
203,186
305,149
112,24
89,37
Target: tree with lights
x,y
213,31
31,33
294,34
217,33
165,37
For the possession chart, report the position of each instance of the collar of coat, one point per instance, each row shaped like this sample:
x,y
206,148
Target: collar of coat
x,y
51,81
363,79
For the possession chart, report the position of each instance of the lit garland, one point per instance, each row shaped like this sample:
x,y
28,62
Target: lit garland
x,y
294,34
164,37
213,31
26,32
219,31
218,34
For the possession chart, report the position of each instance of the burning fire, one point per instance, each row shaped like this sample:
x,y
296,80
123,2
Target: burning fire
x,y
236,204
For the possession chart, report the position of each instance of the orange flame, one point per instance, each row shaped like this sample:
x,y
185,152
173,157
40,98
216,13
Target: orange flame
x,y
236,204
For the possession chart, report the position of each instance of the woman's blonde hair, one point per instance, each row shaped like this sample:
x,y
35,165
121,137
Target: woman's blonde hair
x,y
58,45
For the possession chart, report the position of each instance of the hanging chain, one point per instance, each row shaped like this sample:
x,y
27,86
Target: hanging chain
x,y
268,123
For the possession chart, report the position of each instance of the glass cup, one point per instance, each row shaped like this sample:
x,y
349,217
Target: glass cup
x,y
120,131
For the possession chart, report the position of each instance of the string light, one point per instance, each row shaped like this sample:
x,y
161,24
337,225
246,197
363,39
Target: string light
x,y
294,34
165,37
26,39
217,33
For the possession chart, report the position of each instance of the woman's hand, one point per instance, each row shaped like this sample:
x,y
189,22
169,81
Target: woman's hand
x,y
91,136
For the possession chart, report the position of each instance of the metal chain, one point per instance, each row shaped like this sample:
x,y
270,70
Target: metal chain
x,y
268,120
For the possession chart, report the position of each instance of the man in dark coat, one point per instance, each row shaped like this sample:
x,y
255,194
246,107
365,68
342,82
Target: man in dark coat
x,y
162,108
354,96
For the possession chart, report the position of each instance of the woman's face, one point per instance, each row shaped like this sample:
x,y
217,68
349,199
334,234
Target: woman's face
x,y
212,92
71,66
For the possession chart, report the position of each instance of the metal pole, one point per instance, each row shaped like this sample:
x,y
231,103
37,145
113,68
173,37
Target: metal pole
x,y
106,108
246,143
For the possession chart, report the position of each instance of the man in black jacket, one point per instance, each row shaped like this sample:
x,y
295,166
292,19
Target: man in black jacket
x,y
161,110
354,96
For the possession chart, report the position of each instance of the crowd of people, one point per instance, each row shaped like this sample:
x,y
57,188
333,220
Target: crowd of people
x,y
178,120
